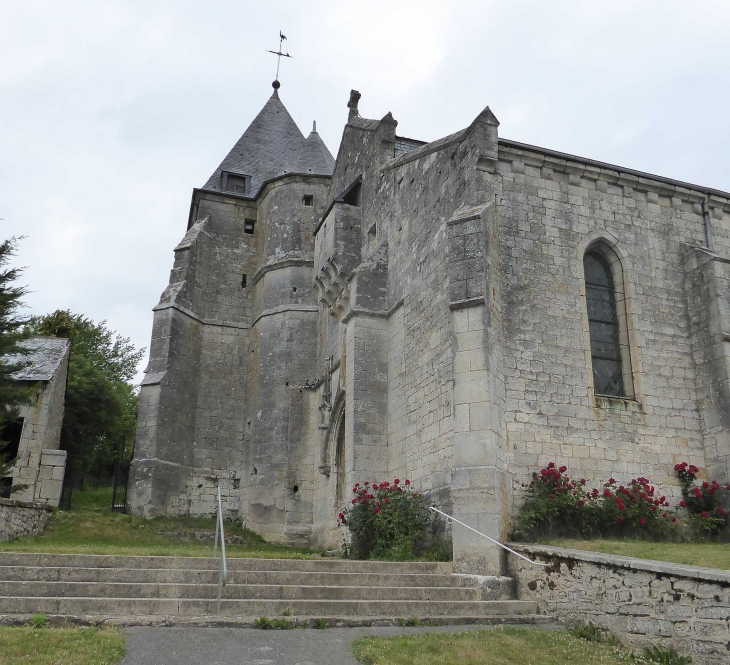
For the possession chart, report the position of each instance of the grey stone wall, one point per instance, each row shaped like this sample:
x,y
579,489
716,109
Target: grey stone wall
x,y
643,602
20,518
39,464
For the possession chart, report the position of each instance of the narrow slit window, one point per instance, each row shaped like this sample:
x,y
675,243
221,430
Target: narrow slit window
x,y
243,281
603,324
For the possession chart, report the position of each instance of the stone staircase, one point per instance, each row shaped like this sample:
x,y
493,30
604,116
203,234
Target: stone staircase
x,y
168,590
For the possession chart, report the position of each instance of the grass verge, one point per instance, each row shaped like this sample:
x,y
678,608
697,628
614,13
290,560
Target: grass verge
x,y
708,555
61,646
500,646
90,527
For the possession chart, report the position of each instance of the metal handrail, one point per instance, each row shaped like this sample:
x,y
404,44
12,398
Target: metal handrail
x,y
223,570
484,535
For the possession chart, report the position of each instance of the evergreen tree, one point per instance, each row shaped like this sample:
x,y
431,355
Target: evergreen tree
x,y
13,394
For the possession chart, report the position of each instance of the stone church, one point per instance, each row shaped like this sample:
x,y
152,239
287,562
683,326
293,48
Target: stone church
x,y
459,313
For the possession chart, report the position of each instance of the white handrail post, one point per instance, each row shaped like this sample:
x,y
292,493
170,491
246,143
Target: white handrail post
x,y
484,535
223,570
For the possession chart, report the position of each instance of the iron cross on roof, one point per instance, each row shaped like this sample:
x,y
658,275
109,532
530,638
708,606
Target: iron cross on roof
x,y
279,54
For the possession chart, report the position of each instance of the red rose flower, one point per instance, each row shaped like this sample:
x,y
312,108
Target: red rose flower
x,y
620,520
396,481
408,482
376,511
642,522
563,469
581,502
341,516
704,513
683,504
551,465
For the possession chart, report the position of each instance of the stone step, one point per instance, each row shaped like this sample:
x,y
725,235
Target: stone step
x,y
234,591
210,576
209,563
259,607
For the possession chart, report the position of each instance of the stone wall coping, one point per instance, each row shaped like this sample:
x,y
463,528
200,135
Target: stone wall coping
x,y
14,503
649,565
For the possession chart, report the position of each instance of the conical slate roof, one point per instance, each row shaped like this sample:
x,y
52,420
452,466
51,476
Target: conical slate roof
x,y
272,146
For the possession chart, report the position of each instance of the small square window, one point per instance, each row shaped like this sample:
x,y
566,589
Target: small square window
x,y
249,225
235,182
308,200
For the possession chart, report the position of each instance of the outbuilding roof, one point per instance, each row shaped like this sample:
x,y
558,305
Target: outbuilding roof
x,y
45,357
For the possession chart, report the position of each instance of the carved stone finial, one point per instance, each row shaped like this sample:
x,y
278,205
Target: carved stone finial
x,y
352,104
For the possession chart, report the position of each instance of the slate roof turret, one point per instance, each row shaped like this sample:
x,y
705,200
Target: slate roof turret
x,y
273,146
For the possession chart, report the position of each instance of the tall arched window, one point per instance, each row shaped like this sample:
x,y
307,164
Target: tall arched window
x,y
604,323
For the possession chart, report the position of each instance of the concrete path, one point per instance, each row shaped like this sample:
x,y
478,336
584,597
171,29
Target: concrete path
x,y
248,646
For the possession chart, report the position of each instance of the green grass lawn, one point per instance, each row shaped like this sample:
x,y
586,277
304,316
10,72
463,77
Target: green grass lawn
x,y
708,555
500,646
61,646
91,528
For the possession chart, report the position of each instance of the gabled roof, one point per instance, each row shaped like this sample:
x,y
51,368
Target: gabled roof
x,y
45,357
273,146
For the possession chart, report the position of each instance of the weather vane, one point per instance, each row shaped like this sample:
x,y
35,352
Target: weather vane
x,y
282,38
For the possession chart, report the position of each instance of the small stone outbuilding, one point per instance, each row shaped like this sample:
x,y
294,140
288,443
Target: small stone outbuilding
x,y
36,436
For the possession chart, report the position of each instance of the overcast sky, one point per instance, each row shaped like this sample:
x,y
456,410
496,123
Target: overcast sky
x,y
111,112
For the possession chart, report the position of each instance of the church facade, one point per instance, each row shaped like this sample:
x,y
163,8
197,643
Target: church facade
x,y
459,313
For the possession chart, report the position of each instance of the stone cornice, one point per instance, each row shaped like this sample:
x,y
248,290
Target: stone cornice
x,y
195,317
278,265
281,309
582,167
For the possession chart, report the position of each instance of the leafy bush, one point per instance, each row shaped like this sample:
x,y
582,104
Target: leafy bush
x,y
662,656
556,505
592,633
386,521
319,624
703,502
264,623
39,620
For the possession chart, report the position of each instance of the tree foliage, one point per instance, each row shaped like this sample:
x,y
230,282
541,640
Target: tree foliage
x,y
13,394
101,403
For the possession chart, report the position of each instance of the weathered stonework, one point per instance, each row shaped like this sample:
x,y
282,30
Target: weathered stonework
x,y
40,465
19,518
643,602
419,310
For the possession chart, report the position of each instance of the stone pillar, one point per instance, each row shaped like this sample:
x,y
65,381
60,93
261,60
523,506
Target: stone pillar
x,y
366,395
481,486
708,296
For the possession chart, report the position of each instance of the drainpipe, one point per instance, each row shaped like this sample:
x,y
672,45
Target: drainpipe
x,y
708,228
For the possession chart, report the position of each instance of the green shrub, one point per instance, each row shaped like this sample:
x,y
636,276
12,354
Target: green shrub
x,y
319,624
592,633
703,502
264,623
662,656
386,521
39,620
556,505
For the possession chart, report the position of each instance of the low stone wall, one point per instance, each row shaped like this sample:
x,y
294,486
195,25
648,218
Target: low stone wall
x,y
19,518
643,602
